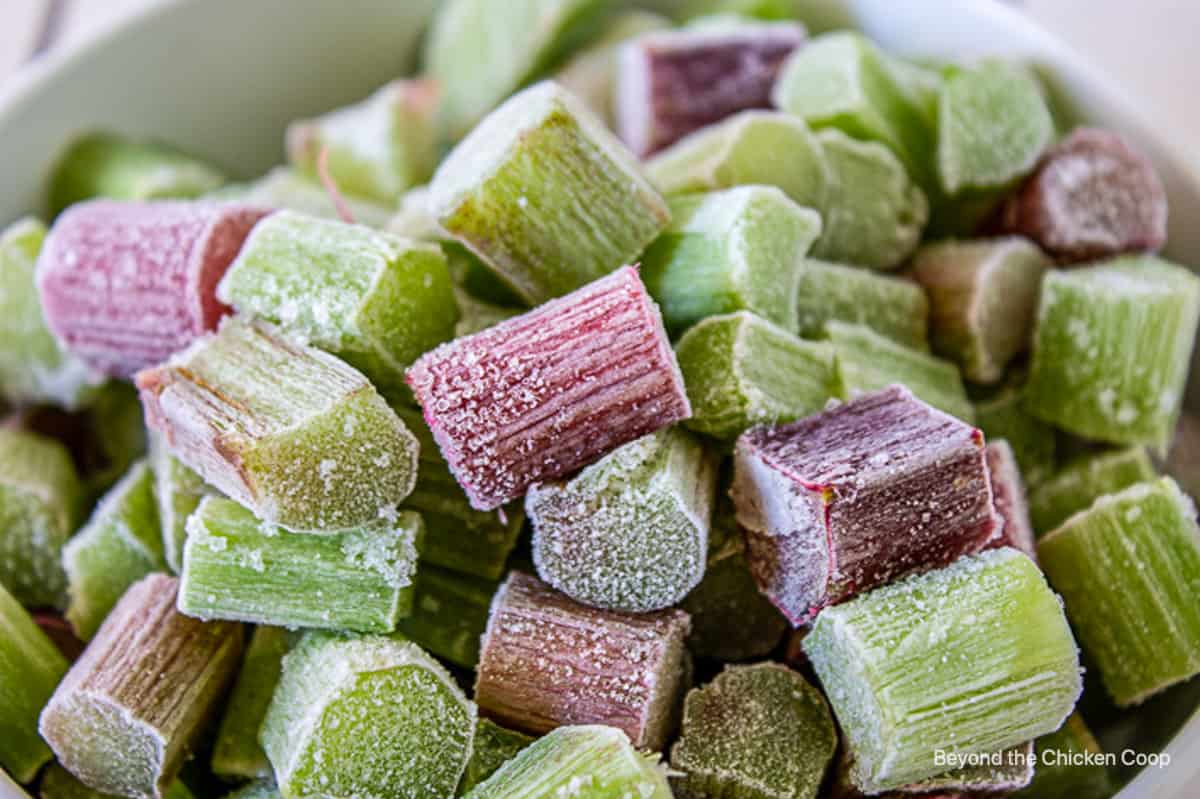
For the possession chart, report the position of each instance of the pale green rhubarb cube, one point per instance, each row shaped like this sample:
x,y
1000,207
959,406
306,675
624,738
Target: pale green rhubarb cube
x,y
494,746
449,614
582,762
58,783
236,753
1128,568
375,300
294,434
1070,765
546,195
976,657
741,370
178,491
894,307
369,717
732,250
1034,443
1083,480
984,295
1112,348
285,188
235,567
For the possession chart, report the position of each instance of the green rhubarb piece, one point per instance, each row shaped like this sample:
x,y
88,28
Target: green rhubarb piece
x,y
1069,765
375,300
235,567
122,168
449,614
583,762
58,783
629,532
754,732
732,250
366,716
30,668
377,148
891,306
546,195
284,187
741,370
115,436
120,544
984,296
1127,569
494,746
753,147
178,490
1082,481
1033,442
475,315
236,753
1112,348
866,361
973,658
698,12
873,214
40,498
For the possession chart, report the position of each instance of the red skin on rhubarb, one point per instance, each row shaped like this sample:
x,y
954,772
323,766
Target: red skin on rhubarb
x,y
1008,494
544,394
860,495
548,661
124,285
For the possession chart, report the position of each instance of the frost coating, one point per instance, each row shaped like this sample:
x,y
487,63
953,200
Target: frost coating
x,y
1008,492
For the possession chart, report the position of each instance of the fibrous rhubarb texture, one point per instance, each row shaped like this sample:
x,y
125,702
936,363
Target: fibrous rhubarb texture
x,y
131,709
1003,415
1008,495
1083,480
741,370
292,433
285,188
178,491
236,753
366,716
375,300
629,532
732,250
539,396
984,295
754,732
494,746
58,783
235,567
1112,349
857,496
583,762
548,661
546,195
672,83
891,306
1069,765
30,668
992,774
119,545
40,499
1127,568
1093,195
449,614
124,285
973,658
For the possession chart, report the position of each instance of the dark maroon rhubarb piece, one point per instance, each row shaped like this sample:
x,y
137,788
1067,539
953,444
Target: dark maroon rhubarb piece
x,y
858,496
1008,494
541,395
124,285
672,83
548,661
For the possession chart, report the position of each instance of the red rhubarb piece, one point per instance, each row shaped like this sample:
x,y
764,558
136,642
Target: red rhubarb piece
x,y
1008,494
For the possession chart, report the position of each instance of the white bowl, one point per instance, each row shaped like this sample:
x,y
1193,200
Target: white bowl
x,y
222,78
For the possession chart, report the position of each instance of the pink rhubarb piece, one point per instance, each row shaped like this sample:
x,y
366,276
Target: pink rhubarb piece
x,y
1008,493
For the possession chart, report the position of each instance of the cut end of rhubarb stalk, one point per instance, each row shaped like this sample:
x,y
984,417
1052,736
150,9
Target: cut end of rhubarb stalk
x,y
1008,491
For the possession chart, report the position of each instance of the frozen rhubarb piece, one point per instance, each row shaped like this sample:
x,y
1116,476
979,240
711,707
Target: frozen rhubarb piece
x,y
1127,569
891,306
494,746
115,438
582,762
858,496
30,668
103,164
131,710
236,753
375,300
119,545
1070,764
259,789
1112,348
1008,494
1083,480
754,732
292,433
366,716
629,532
873,213
58,783
40,499
539,396
866,361
990,774
741,370
1092,196
732,250
546,195
476,315
983,642
753,147
548,661
449,614
33,367
178,491
672,83
376,148
235,567
983,294
285,188
1003,415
